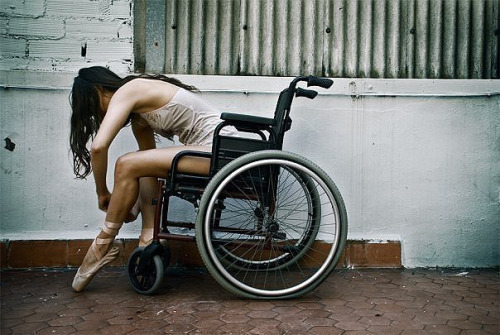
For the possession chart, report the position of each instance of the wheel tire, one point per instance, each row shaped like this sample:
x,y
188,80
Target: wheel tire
x,y
149,282
217,225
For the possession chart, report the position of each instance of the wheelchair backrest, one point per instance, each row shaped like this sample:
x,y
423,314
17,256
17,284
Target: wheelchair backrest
x,y
226,148
282,120
270,133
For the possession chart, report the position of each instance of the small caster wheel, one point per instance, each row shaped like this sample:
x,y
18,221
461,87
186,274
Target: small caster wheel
x,y
148,279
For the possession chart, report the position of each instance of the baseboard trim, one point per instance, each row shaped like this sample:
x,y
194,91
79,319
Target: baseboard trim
x,y
21,254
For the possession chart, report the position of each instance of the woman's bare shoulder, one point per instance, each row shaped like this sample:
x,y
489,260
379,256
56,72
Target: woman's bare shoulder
x,y
146,94
144,85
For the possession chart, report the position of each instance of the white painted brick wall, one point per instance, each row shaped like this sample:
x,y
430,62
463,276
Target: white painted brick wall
x,y
32,8
36,28
12,47
105,50
75,8
3,25
120,9
60,49
98,29
89,9
48,35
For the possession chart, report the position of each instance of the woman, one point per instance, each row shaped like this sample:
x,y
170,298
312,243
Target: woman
x,y
102,103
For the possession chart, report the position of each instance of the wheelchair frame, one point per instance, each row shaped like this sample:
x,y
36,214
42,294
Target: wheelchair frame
x,y
270,224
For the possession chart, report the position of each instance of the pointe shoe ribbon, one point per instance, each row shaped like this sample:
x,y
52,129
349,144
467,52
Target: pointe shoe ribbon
x,y
134,212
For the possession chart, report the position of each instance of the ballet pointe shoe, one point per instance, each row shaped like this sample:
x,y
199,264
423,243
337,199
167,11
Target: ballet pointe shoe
x,y
82,279
146,237
94,260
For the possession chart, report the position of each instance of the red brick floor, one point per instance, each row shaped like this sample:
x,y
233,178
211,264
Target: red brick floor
x,y
422,301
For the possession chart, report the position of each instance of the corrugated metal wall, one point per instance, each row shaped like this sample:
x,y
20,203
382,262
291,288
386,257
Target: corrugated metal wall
x,y
338,38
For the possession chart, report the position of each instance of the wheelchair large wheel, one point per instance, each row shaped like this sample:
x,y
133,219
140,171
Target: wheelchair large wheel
x,y
149,280
299,195
271,225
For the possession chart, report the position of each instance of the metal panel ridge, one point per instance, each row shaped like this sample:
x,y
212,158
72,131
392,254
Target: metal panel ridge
x,y
450,39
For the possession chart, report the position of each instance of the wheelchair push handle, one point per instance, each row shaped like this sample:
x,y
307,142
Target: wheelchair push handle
x,y
300,92
321,82
311,81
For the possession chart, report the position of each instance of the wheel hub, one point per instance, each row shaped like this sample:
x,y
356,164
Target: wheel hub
x,y
273,227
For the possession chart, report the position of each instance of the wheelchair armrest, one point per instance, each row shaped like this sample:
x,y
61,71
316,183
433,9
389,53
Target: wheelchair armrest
x,y
192,153
246,119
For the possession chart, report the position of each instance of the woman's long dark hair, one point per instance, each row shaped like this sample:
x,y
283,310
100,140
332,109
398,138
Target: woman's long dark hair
x,y
86,116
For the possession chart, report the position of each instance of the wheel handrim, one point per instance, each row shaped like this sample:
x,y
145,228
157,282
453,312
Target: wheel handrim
x,y
334,245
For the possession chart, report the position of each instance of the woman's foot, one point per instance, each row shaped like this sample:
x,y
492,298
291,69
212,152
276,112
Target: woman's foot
x,y
91,265
99,254
146,237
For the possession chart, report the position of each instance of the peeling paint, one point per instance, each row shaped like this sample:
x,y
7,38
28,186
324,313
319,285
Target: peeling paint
x,y
9,145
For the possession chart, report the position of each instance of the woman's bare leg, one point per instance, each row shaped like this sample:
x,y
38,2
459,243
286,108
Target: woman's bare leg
x,y
150,163
129,169
147,191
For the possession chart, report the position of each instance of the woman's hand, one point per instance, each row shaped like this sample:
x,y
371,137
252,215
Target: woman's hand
x,y
103,201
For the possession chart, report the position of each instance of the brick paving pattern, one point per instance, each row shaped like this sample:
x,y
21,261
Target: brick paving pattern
x,y
422,301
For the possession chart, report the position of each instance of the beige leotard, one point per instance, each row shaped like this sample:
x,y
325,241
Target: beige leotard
x,y
187,116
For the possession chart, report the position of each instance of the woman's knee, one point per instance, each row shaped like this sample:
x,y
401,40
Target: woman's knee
x,y
147,163
126,166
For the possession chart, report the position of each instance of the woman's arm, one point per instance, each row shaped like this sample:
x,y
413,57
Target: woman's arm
x,y
136,96
99,160
143,133
118,111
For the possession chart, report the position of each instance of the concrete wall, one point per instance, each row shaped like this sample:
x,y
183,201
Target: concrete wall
x,y
417,161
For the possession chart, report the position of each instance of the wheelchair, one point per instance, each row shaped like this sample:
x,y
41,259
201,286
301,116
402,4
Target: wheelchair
x,y
270,224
